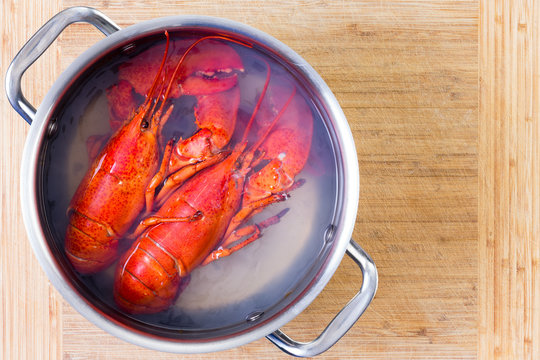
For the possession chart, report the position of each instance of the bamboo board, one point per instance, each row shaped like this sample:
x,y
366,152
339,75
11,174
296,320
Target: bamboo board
x,y
442,99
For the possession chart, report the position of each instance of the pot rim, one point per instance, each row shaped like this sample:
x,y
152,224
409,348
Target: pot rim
x,y
30,201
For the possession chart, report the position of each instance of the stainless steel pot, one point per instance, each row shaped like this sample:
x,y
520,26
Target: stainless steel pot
x,y
263,324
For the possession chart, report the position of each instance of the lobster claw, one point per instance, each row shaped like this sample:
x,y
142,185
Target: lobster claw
x,y
271,179
122,103
211,67
215,116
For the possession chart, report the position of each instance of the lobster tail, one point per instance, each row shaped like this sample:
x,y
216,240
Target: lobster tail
x,y
150,288
89,246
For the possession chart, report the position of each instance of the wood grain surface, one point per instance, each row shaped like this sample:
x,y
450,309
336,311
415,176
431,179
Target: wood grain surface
x,y
442,98
509,186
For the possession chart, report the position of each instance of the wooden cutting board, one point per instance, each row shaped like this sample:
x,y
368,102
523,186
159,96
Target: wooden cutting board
x,y
442,99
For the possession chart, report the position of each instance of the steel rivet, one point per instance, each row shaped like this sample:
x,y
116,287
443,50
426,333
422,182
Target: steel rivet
x,y
129,48
254,316
329,234
52,127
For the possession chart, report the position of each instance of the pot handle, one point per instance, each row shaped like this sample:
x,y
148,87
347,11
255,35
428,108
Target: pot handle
x,y
37,45
344,320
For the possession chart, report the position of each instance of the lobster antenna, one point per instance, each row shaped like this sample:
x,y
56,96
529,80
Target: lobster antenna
x,y
271,126
259,102
154,84
156,117
185,54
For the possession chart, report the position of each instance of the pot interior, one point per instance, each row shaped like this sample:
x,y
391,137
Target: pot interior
x,y
235,293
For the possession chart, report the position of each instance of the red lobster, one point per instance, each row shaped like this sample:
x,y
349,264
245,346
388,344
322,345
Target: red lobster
x,y
114,190
203,219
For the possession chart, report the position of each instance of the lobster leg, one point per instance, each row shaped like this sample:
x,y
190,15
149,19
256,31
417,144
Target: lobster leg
x,y
158,178
223,252
155,220
249,210
253,231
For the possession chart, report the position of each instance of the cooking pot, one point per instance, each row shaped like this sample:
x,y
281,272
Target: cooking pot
x,y
45,125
